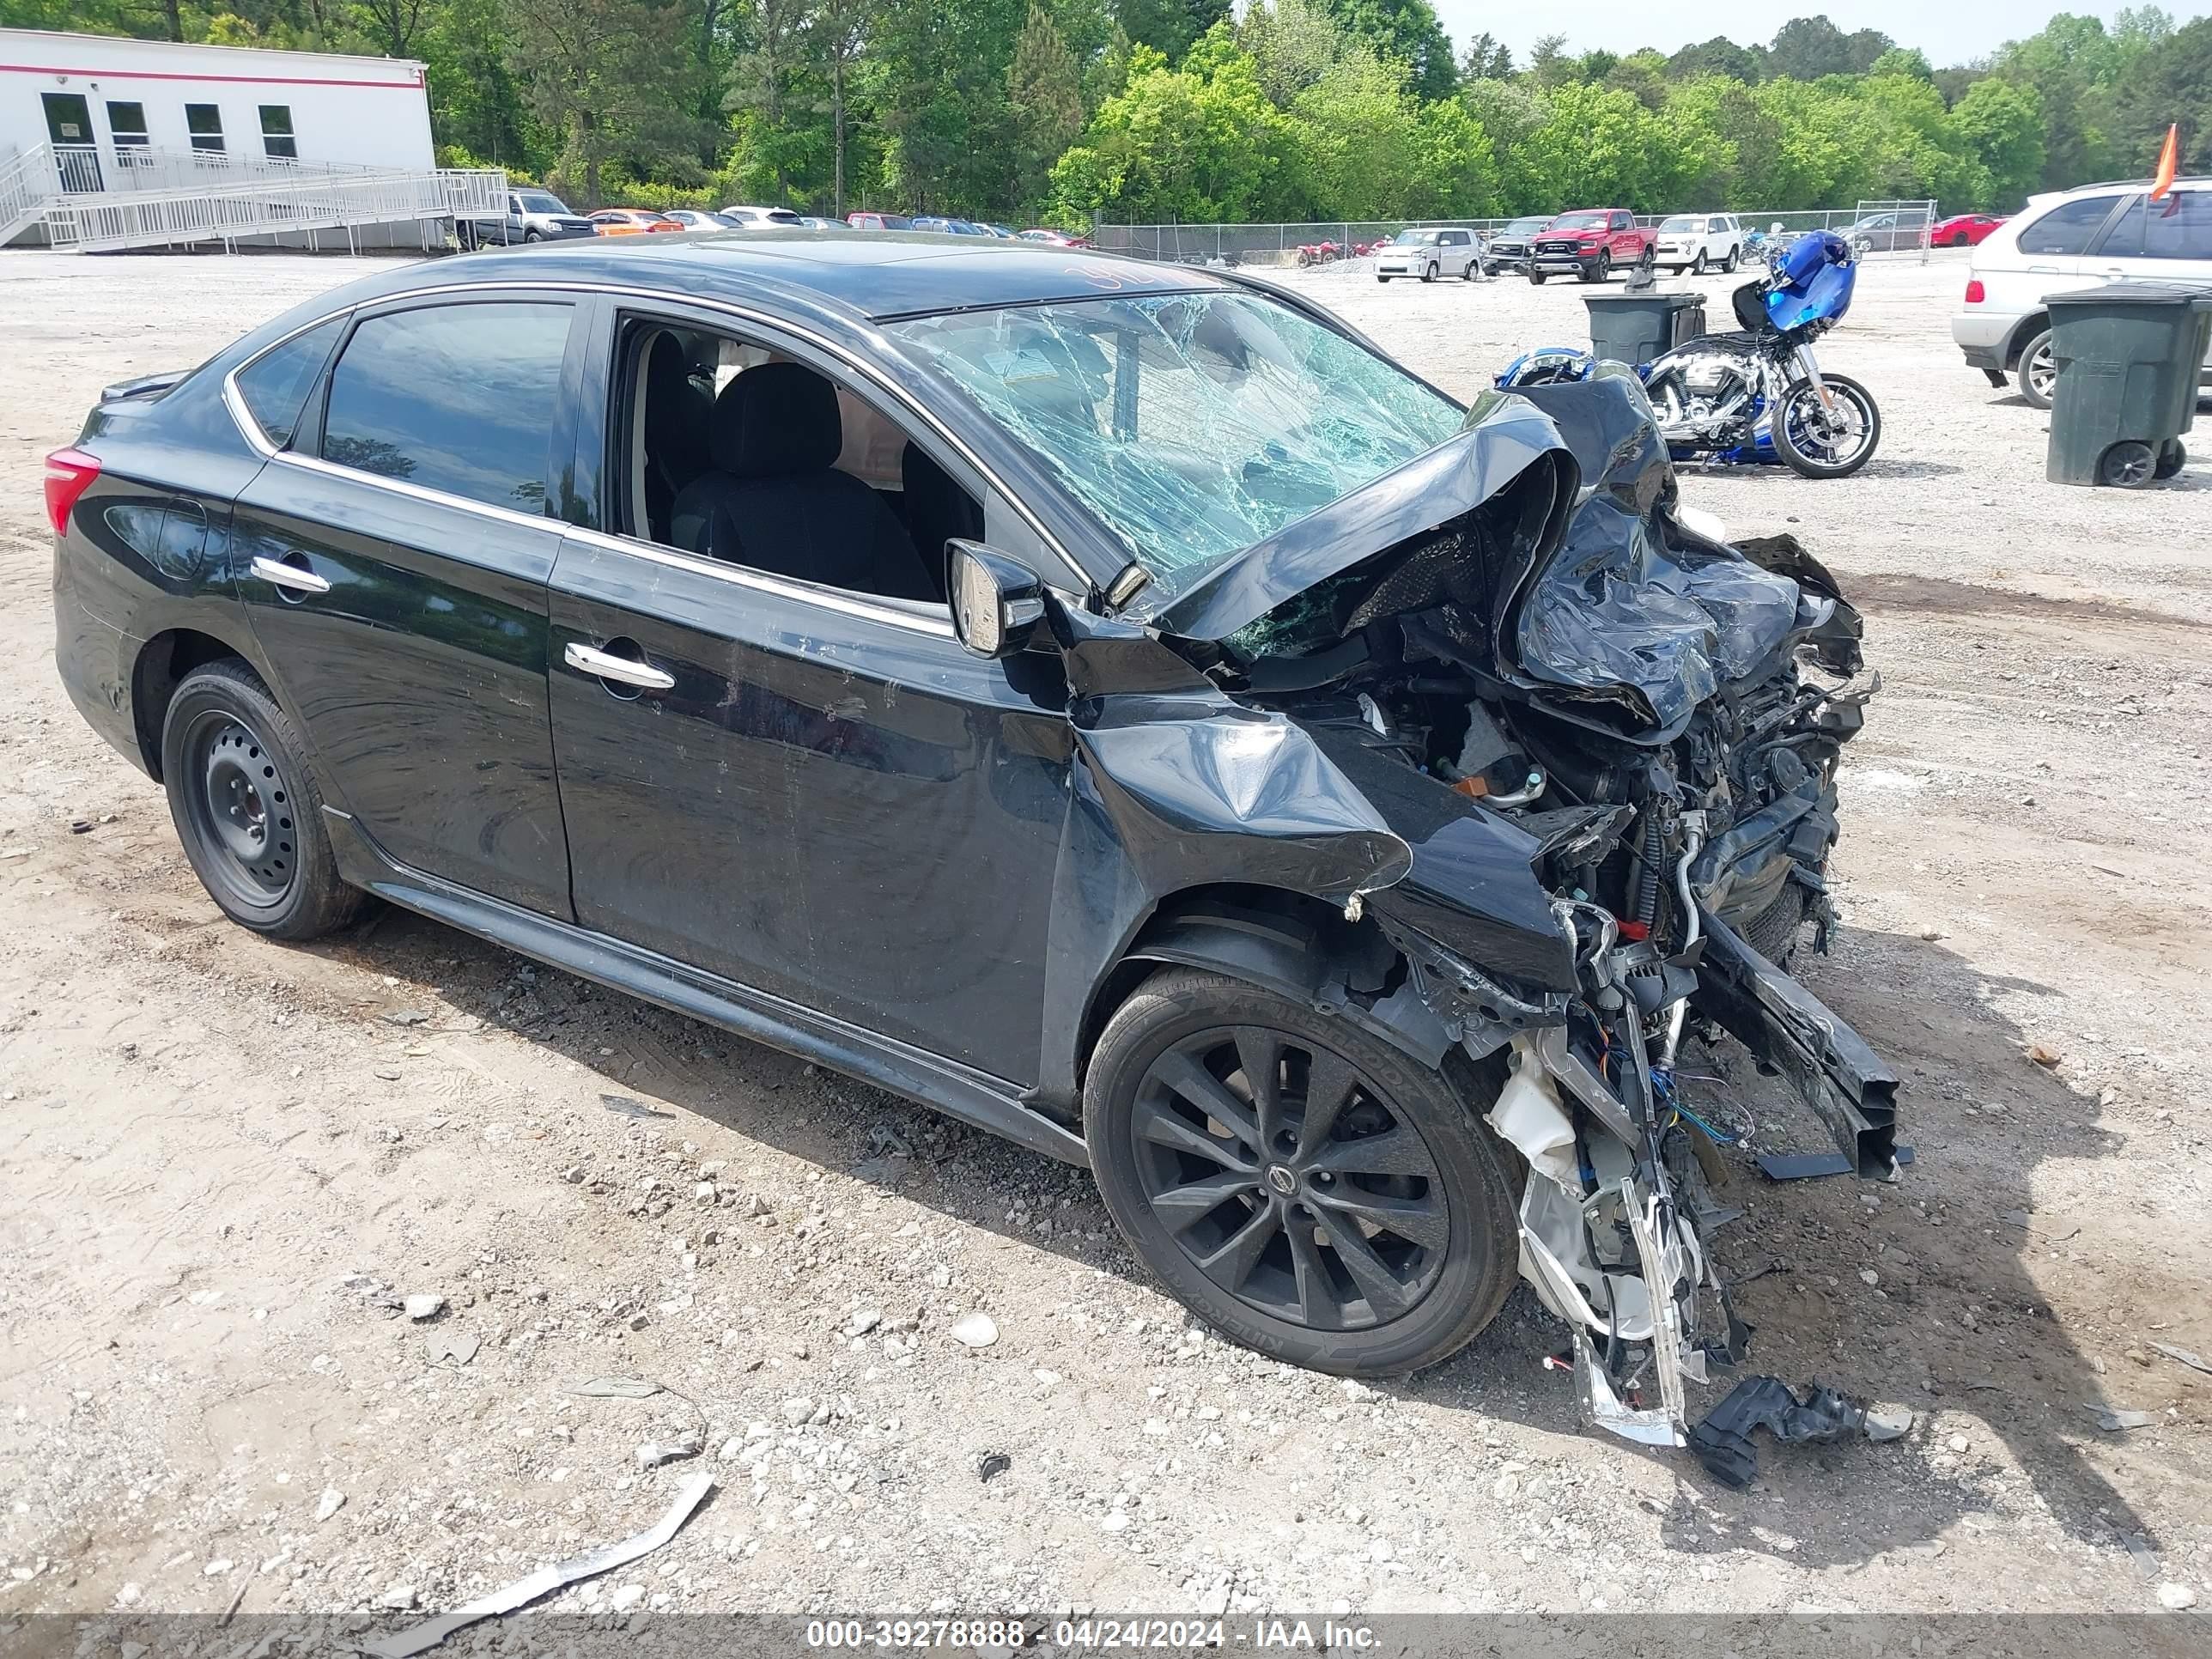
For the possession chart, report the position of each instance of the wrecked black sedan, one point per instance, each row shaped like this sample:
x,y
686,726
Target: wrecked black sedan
x,y
1115,706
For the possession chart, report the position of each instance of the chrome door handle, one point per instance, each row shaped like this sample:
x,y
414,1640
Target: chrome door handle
x,y
607,667
289,575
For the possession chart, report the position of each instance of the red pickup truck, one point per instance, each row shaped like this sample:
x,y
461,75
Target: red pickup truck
x,y
1592,242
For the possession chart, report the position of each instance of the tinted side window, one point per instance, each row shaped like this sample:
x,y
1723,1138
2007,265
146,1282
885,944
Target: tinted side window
x,y
457,397
2068,227
276,387
2179,227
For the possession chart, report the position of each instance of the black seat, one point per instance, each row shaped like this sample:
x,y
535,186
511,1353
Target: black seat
x,y
774,501
679,413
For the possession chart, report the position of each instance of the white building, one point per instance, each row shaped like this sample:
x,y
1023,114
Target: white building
x,y
110,142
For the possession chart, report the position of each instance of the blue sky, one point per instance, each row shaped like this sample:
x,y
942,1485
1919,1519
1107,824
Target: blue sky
x,y
1951,33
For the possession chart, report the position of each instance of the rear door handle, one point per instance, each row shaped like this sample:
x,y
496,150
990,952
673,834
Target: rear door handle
x,y
296,577
626,671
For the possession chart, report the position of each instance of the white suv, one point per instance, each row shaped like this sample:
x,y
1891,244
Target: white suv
x,y
1692,241
1430,252
2068,241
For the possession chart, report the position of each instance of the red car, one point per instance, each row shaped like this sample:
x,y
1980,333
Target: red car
x,y
633,222
1961,230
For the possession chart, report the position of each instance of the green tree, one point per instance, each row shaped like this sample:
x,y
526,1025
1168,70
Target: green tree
x,y
1291,42
1718,56
1598,146
1171,27
2002,126
596,73
1045,86
938,76
1906,61
1406,31
1487,58
1177,145
1807,48
2174,84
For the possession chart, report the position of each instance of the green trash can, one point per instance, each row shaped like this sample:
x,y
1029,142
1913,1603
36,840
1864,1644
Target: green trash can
x,y
1634,328
2128,355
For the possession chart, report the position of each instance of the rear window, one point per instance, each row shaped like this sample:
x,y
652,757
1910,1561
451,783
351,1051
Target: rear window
x,y
458,397
2067,227
275,384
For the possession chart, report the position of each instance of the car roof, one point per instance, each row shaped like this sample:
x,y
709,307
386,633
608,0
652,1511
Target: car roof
x,y
858,276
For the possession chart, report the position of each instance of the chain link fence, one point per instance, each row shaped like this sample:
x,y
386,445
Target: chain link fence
x,y
1877,229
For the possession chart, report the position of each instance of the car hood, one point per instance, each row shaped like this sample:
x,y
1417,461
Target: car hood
x,y
1507,450
1540,547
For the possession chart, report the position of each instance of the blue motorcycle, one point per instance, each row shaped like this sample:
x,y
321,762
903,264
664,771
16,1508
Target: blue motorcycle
x,y
1756,396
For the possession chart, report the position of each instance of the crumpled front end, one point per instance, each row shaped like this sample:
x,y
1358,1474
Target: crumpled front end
x,y
1608,742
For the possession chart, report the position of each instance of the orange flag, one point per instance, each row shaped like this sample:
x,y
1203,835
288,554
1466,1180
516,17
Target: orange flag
x,y
2169,163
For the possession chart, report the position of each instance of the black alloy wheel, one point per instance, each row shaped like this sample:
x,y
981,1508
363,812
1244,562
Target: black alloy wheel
x,y
1307,1187
247,812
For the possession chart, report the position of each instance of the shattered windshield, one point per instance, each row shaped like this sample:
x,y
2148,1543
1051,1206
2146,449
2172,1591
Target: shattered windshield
x,y
1192,425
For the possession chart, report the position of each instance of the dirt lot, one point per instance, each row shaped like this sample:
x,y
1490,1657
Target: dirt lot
x,y
224,1162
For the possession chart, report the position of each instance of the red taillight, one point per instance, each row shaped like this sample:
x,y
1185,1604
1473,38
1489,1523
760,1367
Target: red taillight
x,y
1975,292
69,471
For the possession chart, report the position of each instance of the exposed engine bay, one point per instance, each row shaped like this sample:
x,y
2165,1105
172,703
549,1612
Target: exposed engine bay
x,y
1615,768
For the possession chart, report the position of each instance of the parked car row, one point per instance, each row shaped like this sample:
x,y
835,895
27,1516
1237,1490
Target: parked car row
x,y
538,215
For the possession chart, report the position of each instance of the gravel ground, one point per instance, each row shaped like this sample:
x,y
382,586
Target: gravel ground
x,y
228,1164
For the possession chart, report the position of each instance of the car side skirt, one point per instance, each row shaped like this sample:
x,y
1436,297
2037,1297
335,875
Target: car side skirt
x,y
971,1097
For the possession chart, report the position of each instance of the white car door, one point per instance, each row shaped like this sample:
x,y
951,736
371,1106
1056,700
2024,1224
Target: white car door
x,y
2163,241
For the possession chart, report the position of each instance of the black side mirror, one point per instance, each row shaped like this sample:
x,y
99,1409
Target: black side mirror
x,y
996,602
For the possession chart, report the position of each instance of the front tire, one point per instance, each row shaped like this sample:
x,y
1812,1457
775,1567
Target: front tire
x,y
1536,277
1349,1213
1814,454
2038,371
1697,264
247,809
1428,273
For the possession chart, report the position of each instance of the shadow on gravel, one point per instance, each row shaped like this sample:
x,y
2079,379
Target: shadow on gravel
x,y
1957,1324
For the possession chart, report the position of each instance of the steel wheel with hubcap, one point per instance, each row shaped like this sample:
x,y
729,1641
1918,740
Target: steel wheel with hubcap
x,y
1296,1181
248,814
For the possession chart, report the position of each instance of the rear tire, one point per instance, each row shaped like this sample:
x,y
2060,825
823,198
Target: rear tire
x,y
1381,278
1536,277
1729,265
246,807
1175,1132
1812,464
2038,371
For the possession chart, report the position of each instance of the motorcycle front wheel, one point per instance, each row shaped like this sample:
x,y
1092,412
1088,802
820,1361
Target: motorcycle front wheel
x,y
1817,445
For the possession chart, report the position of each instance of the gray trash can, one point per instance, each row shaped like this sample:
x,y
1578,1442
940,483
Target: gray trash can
x,y
1634,328
2129,354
